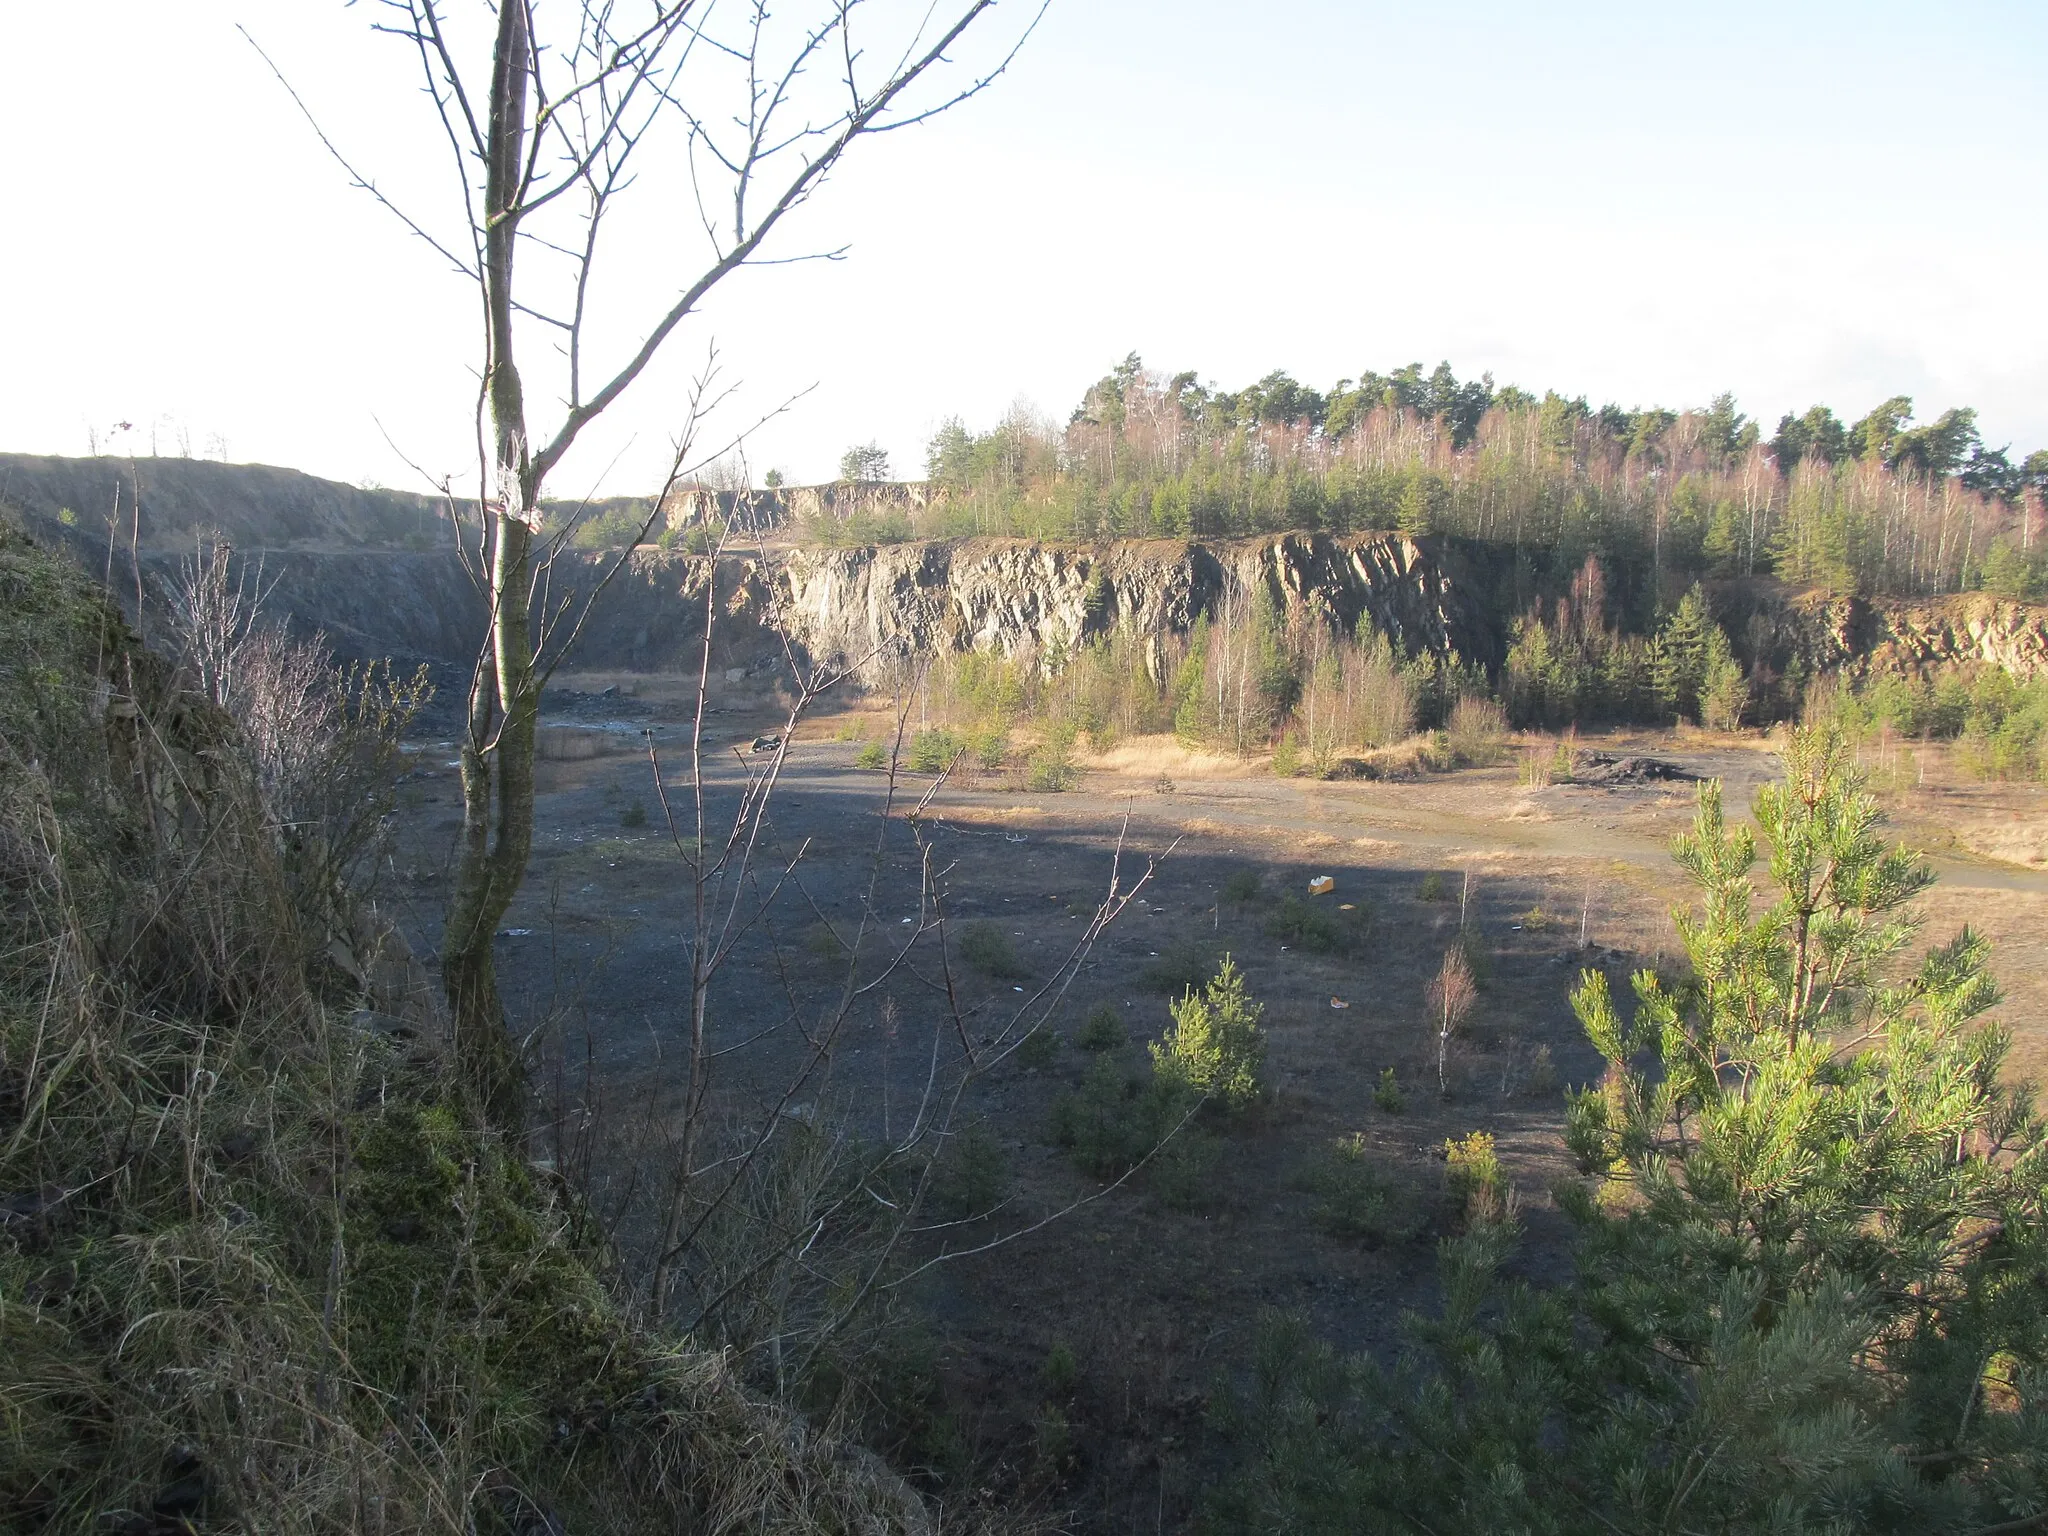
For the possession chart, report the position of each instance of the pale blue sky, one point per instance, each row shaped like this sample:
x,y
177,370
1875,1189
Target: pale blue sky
x,y
1795,202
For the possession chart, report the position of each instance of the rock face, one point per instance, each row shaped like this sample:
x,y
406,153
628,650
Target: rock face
x,y
373,571
1008,595
1862,637
860,607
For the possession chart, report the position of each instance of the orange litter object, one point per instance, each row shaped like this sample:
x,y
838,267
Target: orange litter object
x,y
1321,885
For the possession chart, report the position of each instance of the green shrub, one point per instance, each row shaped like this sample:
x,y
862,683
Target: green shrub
x,y
1040,1048
974,1175
634,815
1313,926
1183,1172
1242,885
1181,966
1354,1199
1062,1371
1388,1095
1478,1186
1286,758
933,751
991,746
1434,887
1051,770
1113,1119
872,756
822,941
1104,1029
1215,1047
988,949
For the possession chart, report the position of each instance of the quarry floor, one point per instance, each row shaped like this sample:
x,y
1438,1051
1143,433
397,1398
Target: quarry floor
x,y
1156,1300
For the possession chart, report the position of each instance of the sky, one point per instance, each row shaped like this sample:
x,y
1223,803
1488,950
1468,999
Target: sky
x,y
1796,202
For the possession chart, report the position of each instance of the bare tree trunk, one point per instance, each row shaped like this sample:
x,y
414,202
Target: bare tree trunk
x,y
504,706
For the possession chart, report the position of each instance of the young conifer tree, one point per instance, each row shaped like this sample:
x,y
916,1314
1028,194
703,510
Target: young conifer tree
x,y
1811,1254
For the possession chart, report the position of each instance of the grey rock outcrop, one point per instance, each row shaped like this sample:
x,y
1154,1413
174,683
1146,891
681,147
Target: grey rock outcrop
x,y
1861,637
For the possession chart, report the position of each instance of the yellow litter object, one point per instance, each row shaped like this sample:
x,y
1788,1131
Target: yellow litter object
x,y
1345,906
1321,885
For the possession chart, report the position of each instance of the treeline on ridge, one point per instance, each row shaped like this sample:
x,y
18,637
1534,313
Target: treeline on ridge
x,y
1664,497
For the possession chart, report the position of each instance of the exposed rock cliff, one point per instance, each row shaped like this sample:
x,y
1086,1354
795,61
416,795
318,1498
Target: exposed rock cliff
x,y
1820,633
1010,595
861,605
349,562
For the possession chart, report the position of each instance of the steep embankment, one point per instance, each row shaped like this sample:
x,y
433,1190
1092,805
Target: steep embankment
x,y
260,1270
163,504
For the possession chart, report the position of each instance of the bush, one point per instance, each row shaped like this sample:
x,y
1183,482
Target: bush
x,y
990,746
988,949
1062,1371
1242,886
634,815
1313,926
1183,965
1183,1172
1477,1184
1051,769
822,941
872,756
1103,1031
1433,887
1354,1199
1286,758
1215,1047
972,1179
1476,733
1113,1120
1040,1048
1388,1095
933,751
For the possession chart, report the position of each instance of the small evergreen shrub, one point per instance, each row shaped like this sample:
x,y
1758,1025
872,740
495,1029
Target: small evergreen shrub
x,y
1182,1173
1215,1047
634,815
1113,1119
1388,1095
988,949
933,751
1477,1184
873,756
974,1175
991,746
1242,886
1181,966
1051,770
1040,1048
1062,1371
1354,1199
1313,926
1434,887
1286,758
822,941
1103,1031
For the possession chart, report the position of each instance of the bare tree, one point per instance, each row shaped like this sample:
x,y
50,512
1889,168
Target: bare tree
x,y
1449,999
552,115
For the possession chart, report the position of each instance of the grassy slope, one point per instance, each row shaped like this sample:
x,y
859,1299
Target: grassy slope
x,y
259,1271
